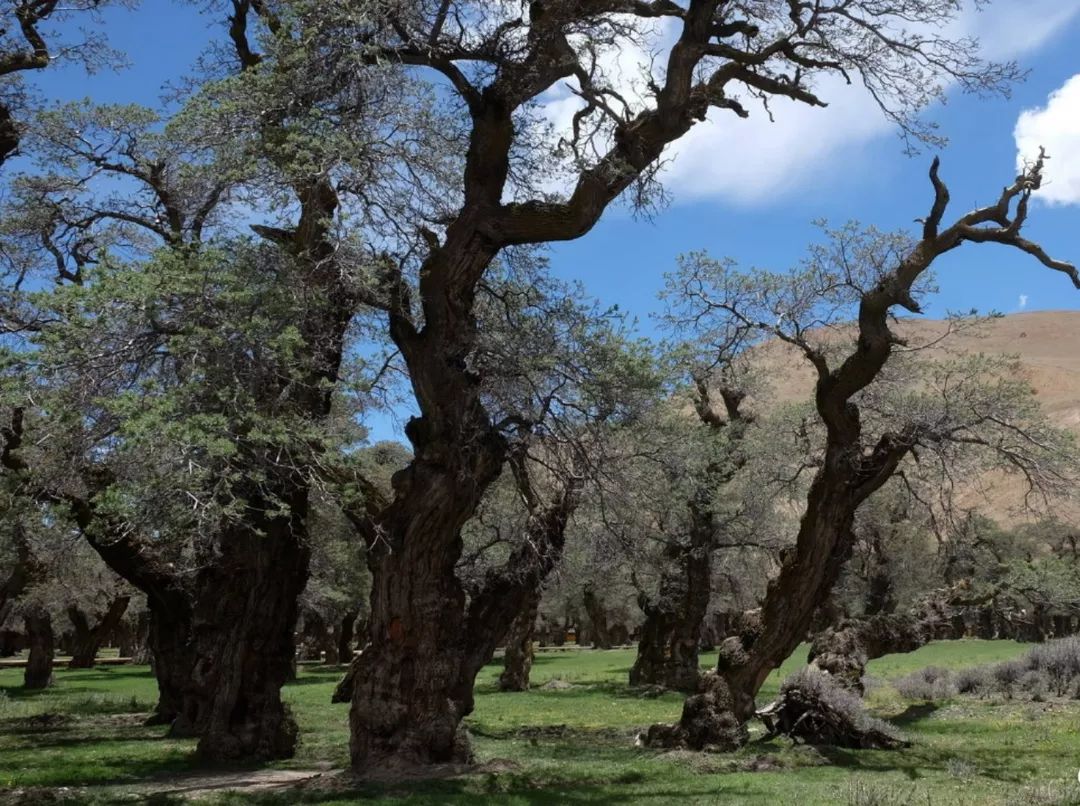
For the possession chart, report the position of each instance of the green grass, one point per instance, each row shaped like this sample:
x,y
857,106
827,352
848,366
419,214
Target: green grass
x,y
572,746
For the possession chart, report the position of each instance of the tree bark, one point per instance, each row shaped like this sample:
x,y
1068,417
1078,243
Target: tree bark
x,y
39,635
244,616
598,622
844,650
414,680
518,659
168,641
670,637
345,636
411,691
88,639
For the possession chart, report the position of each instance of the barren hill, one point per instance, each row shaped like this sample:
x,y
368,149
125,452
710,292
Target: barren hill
x,y
1048,346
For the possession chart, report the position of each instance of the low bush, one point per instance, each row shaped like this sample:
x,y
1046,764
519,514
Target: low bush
x,y
975,681
1058,664
929,684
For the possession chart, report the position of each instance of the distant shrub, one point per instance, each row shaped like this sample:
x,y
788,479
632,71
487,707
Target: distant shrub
x,y
1046,670
1058,663
931,683
1033,683
1007,674
976,680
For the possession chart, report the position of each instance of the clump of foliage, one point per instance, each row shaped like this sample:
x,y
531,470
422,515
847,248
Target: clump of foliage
x,y
1050,669
931,683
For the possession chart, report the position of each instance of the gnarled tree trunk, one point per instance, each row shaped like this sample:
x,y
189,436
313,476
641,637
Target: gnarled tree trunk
x,y
414,680
245,610
518,660
39,635
598,622
717,714
670,637
88,639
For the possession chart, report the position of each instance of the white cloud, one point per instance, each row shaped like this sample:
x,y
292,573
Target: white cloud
x,y
1056,127
755,160
1007,30
1023,301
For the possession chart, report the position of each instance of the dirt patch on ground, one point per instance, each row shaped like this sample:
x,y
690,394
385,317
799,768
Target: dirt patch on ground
x,y
183,786
193,786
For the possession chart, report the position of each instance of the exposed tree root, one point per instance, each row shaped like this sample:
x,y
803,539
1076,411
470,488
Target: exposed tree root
x,y
814,708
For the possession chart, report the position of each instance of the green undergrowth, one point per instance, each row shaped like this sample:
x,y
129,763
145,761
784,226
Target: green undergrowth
x,y
84,741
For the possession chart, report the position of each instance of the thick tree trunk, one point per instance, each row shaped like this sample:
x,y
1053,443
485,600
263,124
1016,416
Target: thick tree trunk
x,y
598,622
242,642
518,660
671,635
725,701
172,660
39,635
88,639
221,639
414,680
345,636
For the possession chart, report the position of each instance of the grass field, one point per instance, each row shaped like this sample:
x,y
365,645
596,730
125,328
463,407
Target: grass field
x,y
83,741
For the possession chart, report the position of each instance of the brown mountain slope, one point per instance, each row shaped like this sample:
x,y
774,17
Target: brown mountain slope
x,y
1048,346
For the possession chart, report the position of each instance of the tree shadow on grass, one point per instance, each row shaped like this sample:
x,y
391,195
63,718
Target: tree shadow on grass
x,y
483,788
53,692
914,713
916,762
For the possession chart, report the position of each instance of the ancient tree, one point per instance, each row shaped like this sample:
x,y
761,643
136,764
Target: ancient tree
x,y
865,275
414,685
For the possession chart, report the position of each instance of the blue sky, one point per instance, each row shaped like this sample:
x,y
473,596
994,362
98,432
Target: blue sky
x,y
749,189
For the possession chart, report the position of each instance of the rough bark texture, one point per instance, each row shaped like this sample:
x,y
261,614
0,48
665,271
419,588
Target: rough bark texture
x,y
413,683
518,659
708,721
670,637
39,635
844,650
242,641
89,637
